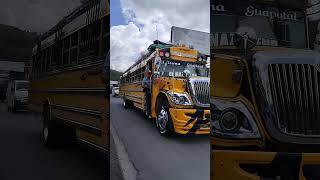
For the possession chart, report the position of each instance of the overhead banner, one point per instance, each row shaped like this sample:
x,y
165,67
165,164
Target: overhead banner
x,y
199,40
282,9
269,23
252,8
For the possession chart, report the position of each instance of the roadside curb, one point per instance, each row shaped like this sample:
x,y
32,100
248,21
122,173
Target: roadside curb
x,y
127,168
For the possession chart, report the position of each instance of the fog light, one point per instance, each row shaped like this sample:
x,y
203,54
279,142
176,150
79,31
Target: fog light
x,y
229,121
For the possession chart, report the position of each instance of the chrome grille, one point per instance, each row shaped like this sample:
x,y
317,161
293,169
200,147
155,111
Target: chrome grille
x,y
295,93
201,91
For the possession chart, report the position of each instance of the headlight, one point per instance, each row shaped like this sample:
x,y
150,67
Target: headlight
x,y
232,120
180,98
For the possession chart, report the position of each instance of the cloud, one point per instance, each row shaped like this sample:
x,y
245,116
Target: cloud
x,y
35,15
127,41
151,20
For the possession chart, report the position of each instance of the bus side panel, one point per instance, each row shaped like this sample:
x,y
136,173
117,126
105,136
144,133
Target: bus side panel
x,y
77,99
134,93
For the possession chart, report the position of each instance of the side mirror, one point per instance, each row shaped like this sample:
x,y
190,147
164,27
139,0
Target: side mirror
x,y
245,38
156,74
157,63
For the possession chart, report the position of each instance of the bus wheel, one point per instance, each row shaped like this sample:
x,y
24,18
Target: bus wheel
x,y
50,130
13,109
55,134
127,104
163,120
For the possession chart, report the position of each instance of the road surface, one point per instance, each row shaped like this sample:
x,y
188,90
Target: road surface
x,y
156,157
22,156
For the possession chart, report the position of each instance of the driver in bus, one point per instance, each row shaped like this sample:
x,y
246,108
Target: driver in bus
x,y
146,85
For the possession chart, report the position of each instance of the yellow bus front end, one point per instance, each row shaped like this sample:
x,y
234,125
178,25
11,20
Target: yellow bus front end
x,y
264,94
179,91
259,128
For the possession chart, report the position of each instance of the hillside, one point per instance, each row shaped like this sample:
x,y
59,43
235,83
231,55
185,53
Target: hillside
x,y
16,44
115,75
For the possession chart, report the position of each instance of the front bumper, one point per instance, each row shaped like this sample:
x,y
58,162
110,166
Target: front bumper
x,y
253,165
21,104
190,121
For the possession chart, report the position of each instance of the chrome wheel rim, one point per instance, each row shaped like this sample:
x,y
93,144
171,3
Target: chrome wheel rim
x,y
162,120
45,133
45,128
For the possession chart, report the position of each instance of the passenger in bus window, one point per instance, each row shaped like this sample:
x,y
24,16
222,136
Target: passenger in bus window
x,y
146,84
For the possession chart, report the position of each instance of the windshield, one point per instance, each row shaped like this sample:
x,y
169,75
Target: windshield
x,y
269,32
181,69
22,86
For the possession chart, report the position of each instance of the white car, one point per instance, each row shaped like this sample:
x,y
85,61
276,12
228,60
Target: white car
x,y
115,91
17,95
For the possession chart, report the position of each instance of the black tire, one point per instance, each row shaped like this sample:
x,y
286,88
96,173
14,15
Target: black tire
x,y
55,134
165,129
127,104
13,109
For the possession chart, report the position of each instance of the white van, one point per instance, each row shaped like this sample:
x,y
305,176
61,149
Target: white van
x,y
17,95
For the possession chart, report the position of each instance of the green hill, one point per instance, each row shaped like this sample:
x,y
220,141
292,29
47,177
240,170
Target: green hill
x,y
115,75
16,44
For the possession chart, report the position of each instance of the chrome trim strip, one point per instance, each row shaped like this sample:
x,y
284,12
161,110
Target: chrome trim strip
x,y
305,95
78,110
283,104
91,129
102,149
311,94
200,91
317,98
98,62
288,96
273,83
132,96
68,90
299,90
293,87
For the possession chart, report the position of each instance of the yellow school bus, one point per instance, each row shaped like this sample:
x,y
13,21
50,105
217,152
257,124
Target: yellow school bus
x,y
179,89
69,76
264,93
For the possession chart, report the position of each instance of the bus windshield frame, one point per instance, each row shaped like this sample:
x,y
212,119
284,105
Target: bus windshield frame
x,y
175,68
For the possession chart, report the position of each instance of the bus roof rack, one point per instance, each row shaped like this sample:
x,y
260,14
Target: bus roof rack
x,y
85,5
158,44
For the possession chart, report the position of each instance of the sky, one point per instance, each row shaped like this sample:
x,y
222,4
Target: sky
x,y
134,25
35,15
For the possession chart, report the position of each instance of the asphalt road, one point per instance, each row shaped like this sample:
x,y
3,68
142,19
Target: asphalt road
x,y
156,157
22,156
